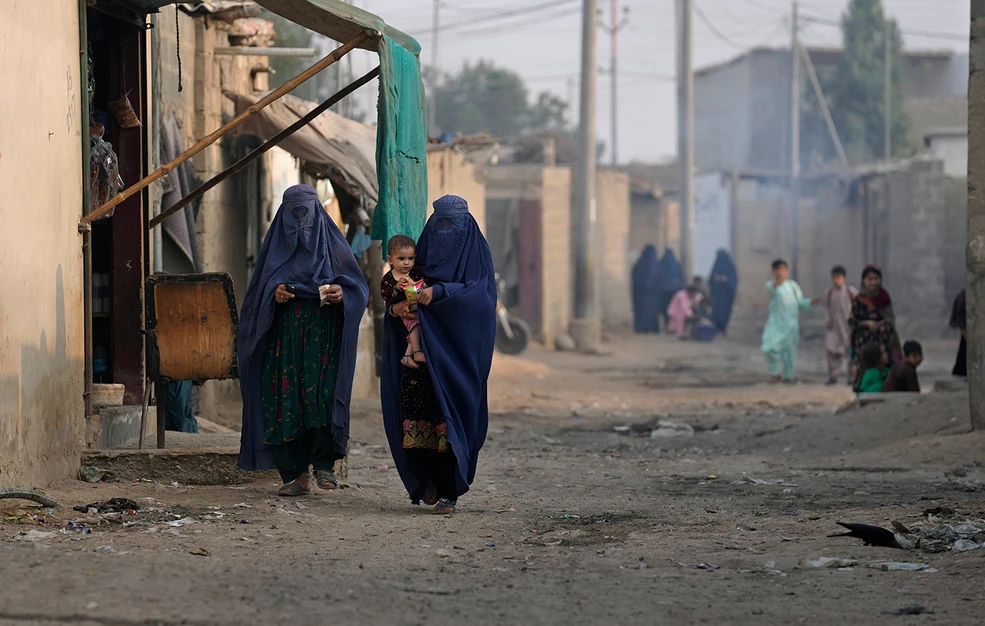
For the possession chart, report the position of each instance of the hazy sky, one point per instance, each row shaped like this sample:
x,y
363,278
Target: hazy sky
x,y
544,47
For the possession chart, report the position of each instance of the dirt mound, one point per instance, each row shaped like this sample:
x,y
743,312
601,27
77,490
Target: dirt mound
x,y
505,365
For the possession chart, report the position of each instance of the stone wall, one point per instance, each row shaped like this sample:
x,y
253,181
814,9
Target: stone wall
x,y
42,414
558,273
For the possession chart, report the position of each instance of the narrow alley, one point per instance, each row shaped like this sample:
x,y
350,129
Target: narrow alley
x,y
647,485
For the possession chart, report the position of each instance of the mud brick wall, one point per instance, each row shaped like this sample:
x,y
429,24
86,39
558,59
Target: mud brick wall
x,y
558,276
612,226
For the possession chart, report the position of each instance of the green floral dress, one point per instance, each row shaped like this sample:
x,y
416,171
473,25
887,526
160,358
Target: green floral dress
x,y
300,370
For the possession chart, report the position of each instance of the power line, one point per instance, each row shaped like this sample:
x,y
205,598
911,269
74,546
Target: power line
x,y
511,26
930,34
503,14
725,38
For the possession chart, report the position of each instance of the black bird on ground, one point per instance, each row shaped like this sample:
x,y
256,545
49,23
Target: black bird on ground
x,y
871,535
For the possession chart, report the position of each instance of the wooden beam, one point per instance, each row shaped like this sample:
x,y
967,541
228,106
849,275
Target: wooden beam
x,y
211,138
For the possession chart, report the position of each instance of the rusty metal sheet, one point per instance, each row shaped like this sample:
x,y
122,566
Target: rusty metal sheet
x,y
191,325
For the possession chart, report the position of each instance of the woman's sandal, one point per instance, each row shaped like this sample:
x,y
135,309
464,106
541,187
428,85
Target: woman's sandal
x,y
414,357
292,489
326,480
430,496
445,507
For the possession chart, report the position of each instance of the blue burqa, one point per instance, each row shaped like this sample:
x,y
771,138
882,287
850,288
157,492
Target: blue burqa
x,y
646,292
304,249
458,331
671,280
724,281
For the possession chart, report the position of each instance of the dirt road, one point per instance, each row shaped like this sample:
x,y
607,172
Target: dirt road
x,y
579,514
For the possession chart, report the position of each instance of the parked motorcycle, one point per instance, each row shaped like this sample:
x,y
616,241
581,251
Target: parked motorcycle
x,y
512,333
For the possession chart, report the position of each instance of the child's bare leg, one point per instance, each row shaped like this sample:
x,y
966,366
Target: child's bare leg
x,y
415,344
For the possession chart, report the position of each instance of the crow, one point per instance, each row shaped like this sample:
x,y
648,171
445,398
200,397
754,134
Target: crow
x,y
871,535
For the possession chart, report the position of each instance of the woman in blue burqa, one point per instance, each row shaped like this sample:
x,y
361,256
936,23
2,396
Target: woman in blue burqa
x,y
671,280
297,346
436,416
646,292
724,283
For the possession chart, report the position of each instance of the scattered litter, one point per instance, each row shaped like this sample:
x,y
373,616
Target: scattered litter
x,y
712,476
442,553
242,505
506,511
34,535
490,544
896,566
748,529
92,606
114,505
91,474
671,429
640,565
200,552
829,563
570,516
910,610
964,545
710,566
244,521
382,467
623,429
184,521
79,528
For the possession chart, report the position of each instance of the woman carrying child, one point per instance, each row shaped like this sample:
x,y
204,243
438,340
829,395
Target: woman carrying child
x,y
436,415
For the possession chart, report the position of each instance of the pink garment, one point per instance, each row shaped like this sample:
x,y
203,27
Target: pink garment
x,y
680,310
411,324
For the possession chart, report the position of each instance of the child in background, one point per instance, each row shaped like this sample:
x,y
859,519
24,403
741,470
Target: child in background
x,y
404,273
838,340
681,310
874,361
903,376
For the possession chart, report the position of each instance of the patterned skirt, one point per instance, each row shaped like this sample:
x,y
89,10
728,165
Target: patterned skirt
x,y
300,369
423,423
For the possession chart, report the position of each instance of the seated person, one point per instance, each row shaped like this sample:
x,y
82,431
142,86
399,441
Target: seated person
x,y
903,376
874,371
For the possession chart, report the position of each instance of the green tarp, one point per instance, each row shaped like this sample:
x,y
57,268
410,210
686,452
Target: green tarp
x,y
401,138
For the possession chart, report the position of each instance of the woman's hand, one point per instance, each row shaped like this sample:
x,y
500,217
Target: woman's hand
x,y
333,294
425,296
282,295
402,310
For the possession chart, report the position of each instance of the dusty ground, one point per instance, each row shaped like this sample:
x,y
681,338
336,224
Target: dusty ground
x,y
574,518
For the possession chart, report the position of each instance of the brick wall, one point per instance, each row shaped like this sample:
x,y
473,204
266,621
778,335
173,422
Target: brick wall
x,y
612,235
558,285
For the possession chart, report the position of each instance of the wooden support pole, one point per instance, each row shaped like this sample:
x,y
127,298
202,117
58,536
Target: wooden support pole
x,y
267,145
211,138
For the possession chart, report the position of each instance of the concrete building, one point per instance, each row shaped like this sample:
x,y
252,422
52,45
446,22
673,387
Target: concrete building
x,y
949,146
742,106
41,321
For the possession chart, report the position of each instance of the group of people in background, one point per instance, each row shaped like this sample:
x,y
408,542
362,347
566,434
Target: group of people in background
x,y
861,332
694,310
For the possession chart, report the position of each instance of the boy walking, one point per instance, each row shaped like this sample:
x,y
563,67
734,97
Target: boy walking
x,y
781,336
838,340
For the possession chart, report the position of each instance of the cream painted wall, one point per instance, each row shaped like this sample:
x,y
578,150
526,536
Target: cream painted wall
x,y
41,328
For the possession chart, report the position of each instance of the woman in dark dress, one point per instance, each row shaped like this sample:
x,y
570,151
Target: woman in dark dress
x,y
959,320
297,346
646,292
436,416
724,283
671,280
873,320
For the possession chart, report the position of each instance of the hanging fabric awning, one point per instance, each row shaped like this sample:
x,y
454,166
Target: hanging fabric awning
x,y
339,21
330,141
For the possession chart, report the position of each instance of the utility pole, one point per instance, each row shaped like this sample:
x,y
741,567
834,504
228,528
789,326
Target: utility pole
x,y
888,81
795,84
613,32
975,251
433,78
685,130
585,328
